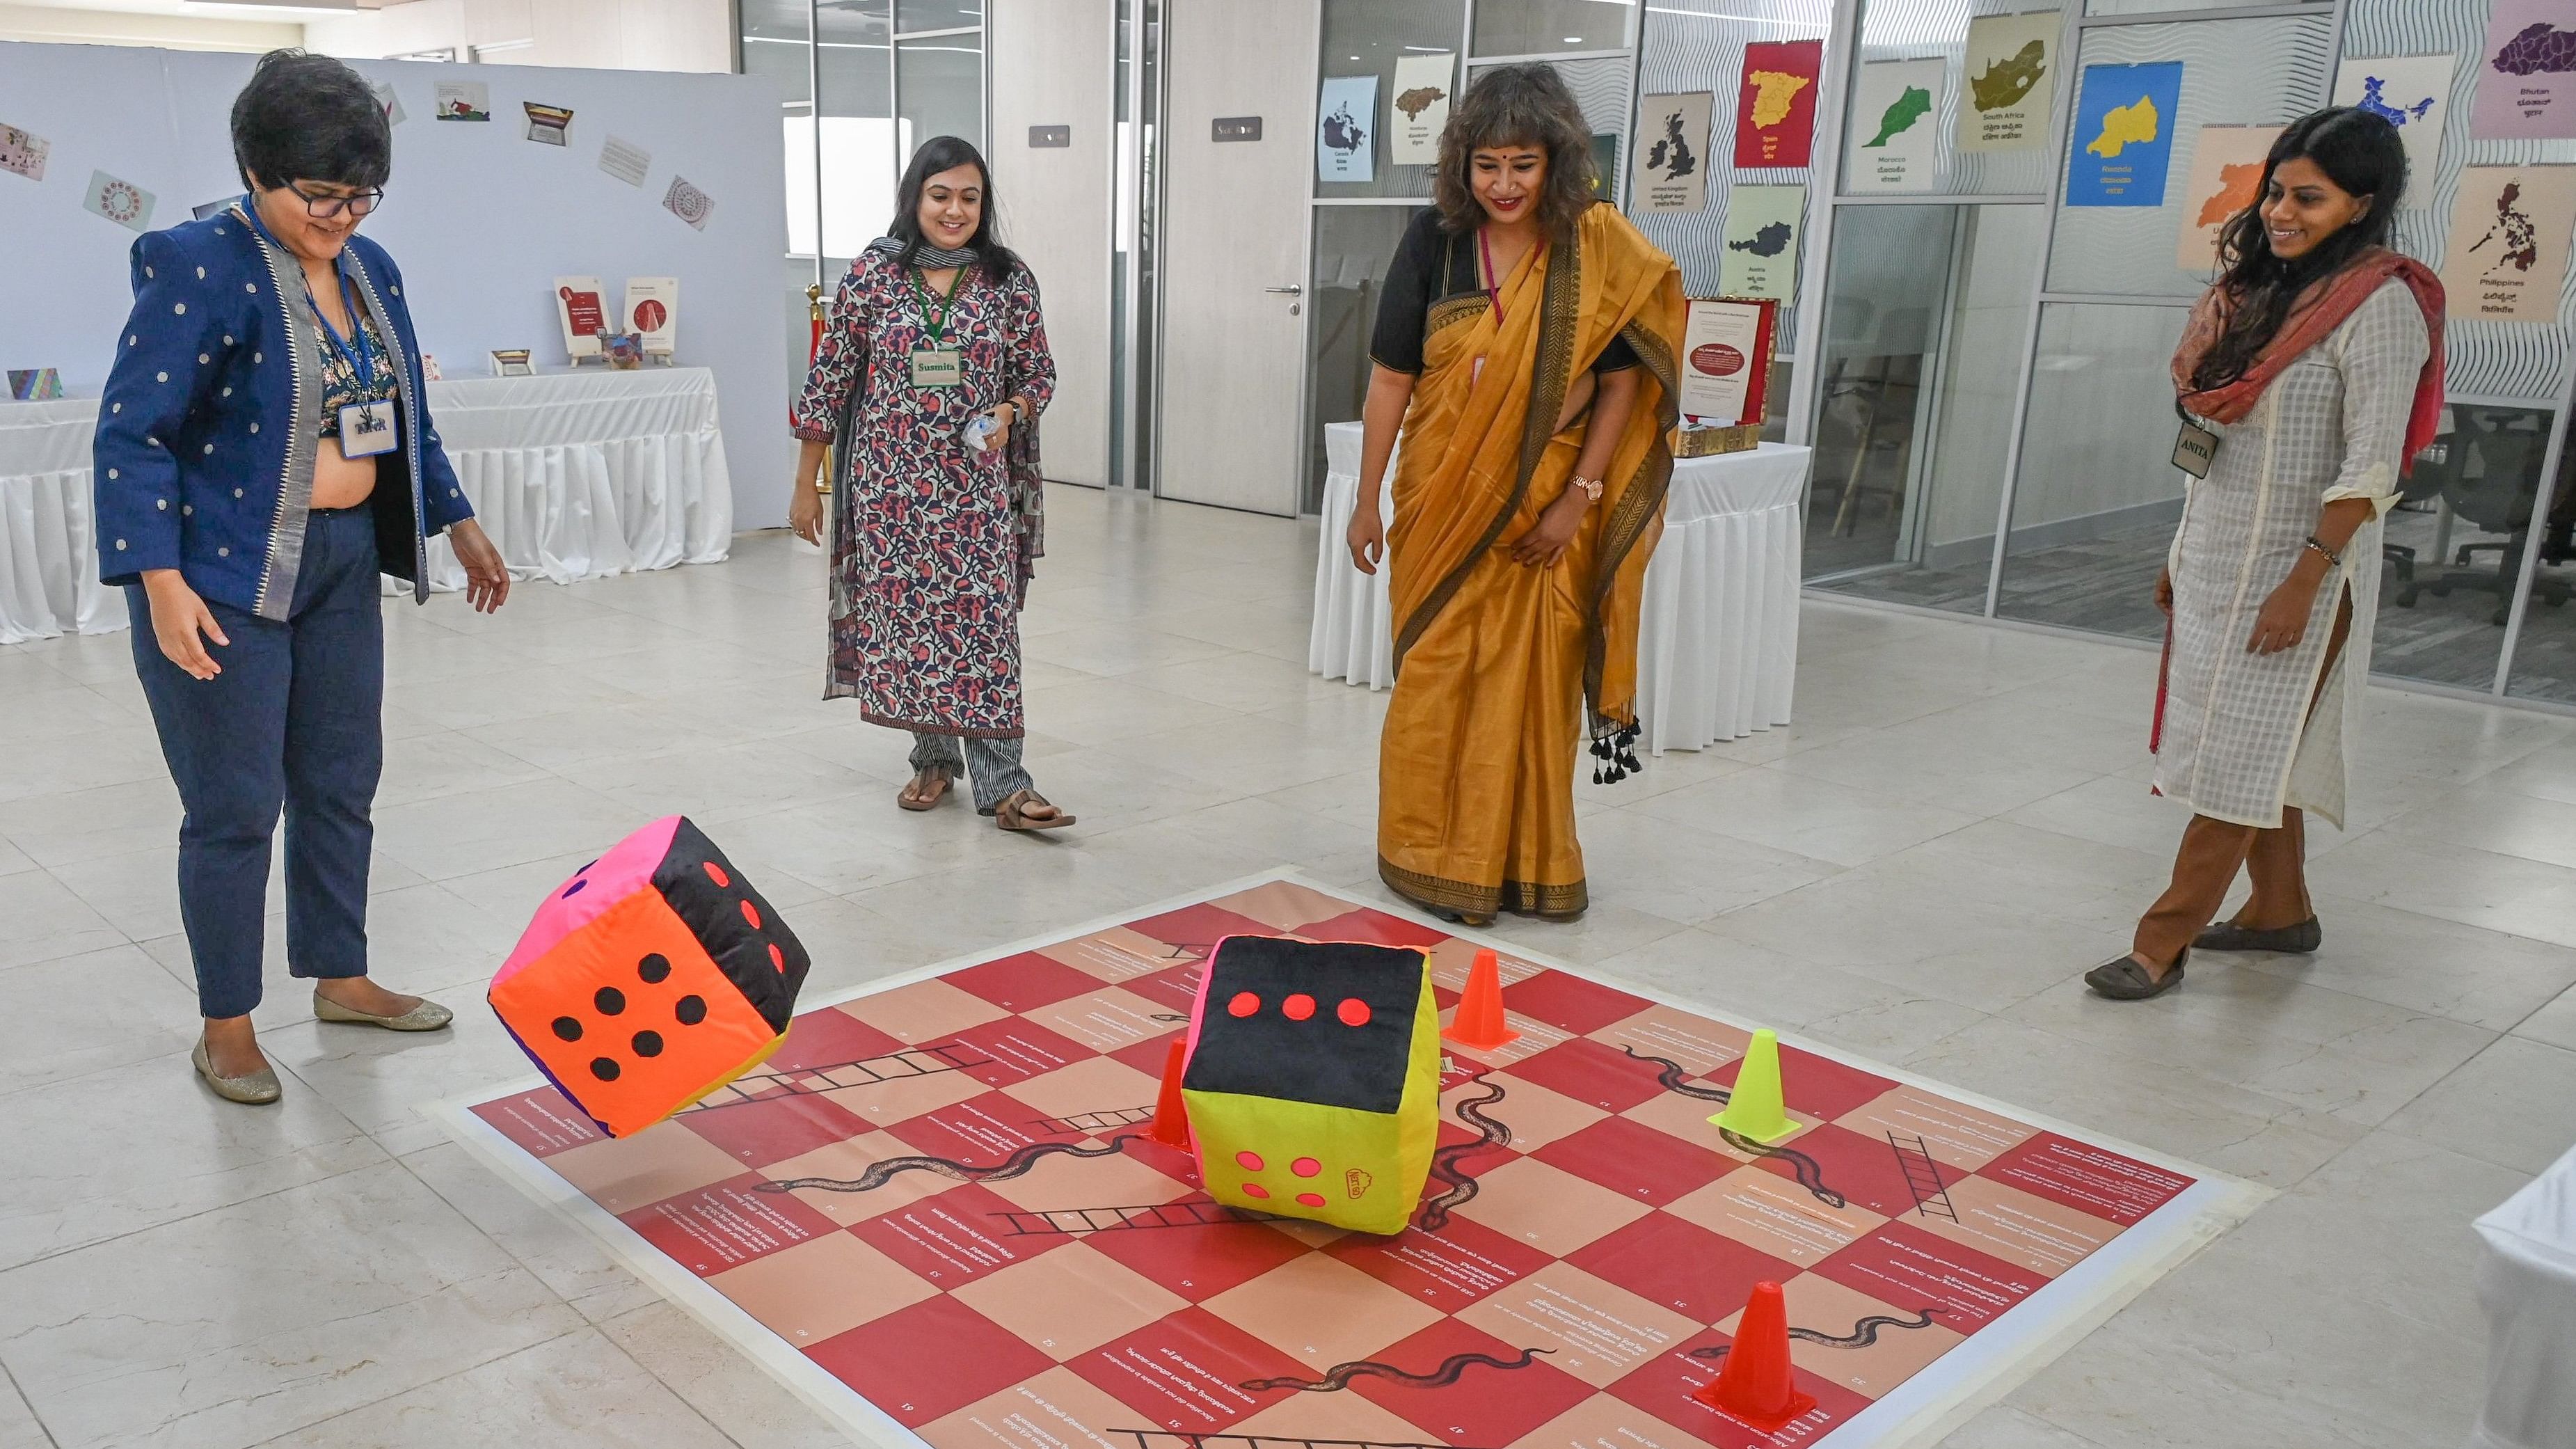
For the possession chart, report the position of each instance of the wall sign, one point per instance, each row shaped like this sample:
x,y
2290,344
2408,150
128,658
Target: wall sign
x,y
1346,129
1236,128
1775,103
2123,139
1672,152
1050,137
1894,125
2012,81
1421,107
2507,256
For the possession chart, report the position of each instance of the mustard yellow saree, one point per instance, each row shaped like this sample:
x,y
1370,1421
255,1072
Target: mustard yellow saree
x,y
1496,662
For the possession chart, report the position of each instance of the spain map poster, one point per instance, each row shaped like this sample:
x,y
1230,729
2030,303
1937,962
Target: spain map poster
x,y
1775,106
2123,139
2507,256
2527,73
1759,256
2412,93
2011,71
2226,178
1895,116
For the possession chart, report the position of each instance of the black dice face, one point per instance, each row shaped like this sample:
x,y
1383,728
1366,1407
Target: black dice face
x,y
748,940
1327,1023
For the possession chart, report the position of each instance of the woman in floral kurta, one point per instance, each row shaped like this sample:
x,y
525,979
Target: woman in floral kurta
x,y
932,541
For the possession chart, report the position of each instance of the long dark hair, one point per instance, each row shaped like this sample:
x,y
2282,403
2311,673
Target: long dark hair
x,y
2357,151
947,153
1517,105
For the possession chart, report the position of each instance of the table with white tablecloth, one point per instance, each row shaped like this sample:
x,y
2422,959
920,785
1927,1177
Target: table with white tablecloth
x,y
2527,1283
574,475
1717,649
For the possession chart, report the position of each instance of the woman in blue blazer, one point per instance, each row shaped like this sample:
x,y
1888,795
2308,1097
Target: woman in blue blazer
x,y
263,453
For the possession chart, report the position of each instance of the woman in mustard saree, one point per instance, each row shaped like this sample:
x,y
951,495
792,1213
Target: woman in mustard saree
x,y
1525,346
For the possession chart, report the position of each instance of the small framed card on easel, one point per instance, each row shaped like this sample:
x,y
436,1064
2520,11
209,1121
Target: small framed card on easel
x,y
1725,374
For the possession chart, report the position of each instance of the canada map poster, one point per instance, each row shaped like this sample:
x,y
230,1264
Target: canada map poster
x,y
2527,73
2226,177
1346,129
2011,75
1672,152
1895,126
2506,260
2412,93
2123,139
1758,252
1775,105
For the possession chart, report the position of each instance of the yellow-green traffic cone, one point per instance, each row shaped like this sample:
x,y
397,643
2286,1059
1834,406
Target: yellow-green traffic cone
x,y
1753,1110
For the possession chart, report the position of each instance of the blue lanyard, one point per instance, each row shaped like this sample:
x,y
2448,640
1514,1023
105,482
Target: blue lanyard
x,y
362,361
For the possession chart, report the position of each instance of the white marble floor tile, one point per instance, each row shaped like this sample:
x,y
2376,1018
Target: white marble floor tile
x,y
716,1380
2474,887
566,1258
18,1426
91,1012
2513,1104
579,1391
47,919
2484,978
382,1079
1803,816
2554,1023
2005,1427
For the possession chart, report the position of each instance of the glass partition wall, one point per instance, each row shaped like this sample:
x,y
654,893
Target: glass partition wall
x,y
2001,298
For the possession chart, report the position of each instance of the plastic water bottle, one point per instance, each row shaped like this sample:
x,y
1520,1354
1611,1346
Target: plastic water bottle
x,y
980,430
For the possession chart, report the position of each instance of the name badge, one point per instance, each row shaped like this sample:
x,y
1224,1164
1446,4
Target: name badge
x,y
367,428
2194,447
939,367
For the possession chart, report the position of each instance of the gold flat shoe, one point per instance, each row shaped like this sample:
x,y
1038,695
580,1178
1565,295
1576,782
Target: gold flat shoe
x,y
259,1089
428,1016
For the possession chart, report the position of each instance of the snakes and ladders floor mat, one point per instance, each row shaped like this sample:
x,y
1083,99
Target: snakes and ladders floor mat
x,y
935,1214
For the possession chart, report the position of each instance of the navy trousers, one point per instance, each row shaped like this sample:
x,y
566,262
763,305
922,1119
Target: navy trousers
x,y
296,723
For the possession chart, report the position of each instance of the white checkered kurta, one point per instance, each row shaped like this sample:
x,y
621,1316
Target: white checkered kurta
x,y
2239,742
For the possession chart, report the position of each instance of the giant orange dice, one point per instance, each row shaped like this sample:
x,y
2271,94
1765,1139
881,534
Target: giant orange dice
x,y
652,977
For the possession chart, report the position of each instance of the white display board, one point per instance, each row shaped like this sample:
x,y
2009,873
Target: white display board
x,y
480,218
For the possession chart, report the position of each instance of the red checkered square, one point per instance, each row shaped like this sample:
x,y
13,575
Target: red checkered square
x,y
979,1132
1186,1372
826,1038
1015,1049
1491,1403
1663,1387
956,1237
1590,1072
1198,928
1571,1002
921,1362
1018,983
1375,928
543,1122
2087,1178
1867,1173
1449,1269
773,1129
726,1224
1817,1087
1635,1160
1198,1263
1908,1268
1681,1265
1174,989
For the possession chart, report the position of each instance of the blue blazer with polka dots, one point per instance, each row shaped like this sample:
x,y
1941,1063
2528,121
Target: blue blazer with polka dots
x,y
213,413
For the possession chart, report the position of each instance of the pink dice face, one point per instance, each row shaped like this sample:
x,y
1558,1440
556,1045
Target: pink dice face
x,y
626,868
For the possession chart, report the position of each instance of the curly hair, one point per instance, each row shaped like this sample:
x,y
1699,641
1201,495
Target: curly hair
x,y
2360,153
1517,105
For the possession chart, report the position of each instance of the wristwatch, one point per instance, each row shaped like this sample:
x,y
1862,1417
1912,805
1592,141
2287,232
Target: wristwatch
x,y
1591,487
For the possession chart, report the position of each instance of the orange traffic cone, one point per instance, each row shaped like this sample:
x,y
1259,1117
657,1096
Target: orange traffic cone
x,y
1171,1120
1478,1024
1756,1387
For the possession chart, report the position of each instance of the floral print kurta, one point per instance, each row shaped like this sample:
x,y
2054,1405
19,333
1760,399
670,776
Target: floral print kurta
x,y
931,542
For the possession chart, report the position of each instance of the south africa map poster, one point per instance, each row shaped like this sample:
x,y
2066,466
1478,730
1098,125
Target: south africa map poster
x,y
2527,73
2412,93
1672,152
2506,260
2011,71
1775,103
1895,126
2226,178
2123,139
938,1215
1758,251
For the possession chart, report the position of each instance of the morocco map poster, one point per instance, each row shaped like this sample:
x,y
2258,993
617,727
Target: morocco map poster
x,y
2412,93
2507,257
2527,73
1895,119
2226,176
2123,139
2012,81
1760,257
1775,106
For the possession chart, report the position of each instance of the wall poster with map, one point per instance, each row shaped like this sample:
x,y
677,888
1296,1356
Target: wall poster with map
x,y
2506,260
2011,75
1346,129
1672,152
1775,106
1422,85
2226,174
2412,93
1895,120
1760,248
2527,73
2123,138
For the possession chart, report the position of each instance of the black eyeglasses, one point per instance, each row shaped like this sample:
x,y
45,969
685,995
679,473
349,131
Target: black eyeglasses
x,y
324,208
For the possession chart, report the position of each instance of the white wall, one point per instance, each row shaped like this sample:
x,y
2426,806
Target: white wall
x,y
480,219
114,27
680,35
1053,65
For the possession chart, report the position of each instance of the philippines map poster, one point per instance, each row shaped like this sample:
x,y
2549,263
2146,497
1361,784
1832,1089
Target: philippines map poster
x,y
2527,74
1894,126
2507,256
2123,140
1760,256
2012,81
2226,176
2412,93
1775,107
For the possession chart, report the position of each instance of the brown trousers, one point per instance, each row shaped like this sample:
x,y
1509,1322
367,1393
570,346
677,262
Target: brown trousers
x,y
2213,851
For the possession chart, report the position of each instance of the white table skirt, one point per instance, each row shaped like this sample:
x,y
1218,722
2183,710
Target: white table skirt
x,y
1717,650
574,476
2527,1283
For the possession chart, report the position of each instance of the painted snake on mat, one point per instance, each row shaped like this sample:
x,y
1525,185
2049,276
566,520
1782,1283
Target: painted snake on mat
x,y
1864,1332
1340,1375
1444,1162
1015,1165
1811,1174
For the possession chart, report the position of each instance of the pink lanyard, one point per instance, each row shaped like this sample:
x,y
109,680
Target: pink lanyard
x,y
1493,284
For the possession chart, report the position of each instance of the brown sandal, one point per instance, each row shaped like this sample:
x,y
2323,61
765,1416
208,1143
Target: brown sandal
x,y
914,796
1008,814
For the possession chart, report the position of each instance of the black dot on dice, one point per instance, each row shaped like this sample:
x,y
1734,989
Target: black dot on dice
x,y
609,1000
604,1068
691,1010
655,969
567,1028
648,1043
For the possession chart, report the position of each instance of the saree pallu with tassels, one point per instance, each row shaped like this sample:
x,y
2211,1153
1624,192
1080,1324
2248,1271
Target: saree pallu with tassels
x,y
1500,665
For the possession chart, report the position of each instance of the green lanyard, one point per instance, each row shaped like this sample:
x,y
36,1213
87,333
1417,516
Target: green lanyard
x,y
939,324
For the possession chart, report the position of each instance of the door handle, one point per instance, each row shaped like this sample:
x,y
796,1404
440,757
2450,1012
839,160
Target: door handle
x,y
1287,291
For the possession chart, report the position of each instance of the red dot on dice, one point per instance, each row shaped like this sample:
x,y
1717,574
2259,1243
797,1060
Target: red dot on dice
x,y
1298,1007
1305,1167
1243,1004
1248,1161
1352,1011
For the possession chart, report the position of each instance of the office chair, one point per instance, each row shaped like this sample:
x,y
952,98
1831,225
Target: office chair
x,y
2499,500
2435,469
